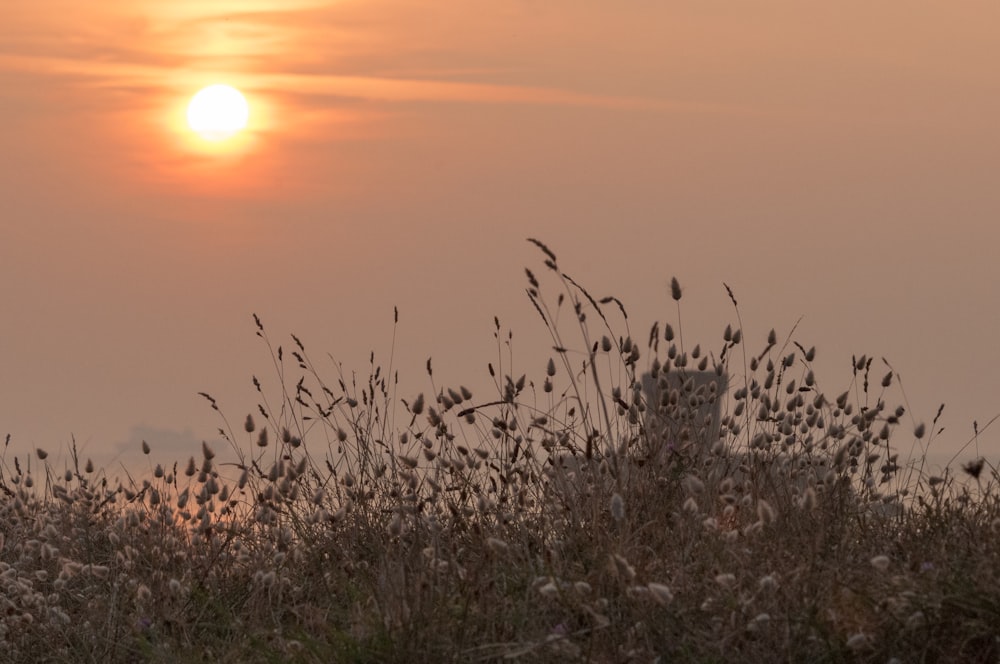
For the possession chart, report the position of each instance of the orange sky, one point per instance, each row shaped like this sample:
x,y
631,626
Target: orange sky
x,y
833,161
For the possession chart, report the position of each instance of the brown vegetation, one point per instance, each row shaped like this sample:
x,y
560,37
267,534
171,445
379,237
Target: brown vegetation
x,y
569,519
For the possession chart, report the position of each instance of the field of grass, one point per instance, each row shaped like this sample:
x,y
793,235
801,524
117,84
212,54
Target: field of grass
x,y
568,516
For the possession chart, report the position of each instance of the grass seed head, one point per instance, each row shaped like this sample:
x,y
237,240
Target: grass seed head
x,y
725,580
550,590
768,582
858,641
661,593
881,563
617,507
765,512
395,527
693,485
497,545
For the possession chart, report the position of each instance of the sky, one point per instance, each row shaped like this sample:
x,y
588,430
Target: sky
x,y
835,164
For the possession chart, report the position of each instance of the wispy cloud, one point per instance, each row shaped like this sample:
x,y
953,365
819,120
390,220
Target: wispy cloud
x,y
304,50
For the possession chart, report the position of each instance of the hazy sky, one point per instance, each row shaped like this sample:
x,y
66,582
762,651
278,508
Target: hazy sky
x,y
832,161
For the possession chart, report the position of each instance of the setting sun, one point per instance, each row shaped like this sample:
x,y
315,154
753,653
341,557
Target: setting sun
x,y
218,112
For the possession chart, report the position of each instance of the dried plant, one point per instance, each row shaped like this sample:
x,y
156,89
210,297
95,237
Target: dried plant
x,y
658,503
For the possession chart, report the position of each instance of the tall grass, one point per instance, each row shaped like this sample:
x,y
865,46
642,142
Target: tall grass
x,y
571,516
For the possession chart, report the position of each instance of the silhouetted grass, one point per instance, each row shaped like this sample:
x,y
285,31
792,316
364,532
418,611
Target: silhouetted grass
x,y
572,516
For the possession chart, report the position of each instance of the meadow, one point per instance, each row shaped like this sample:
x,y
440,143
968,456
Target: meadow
x,y
570,515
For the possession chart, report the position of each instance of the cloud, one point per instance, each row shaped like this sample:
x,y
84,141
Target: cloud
x,y
167,445
387,52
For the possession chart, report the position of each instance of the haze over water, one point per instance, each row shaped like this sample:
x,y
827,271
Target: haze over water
x,y
835,163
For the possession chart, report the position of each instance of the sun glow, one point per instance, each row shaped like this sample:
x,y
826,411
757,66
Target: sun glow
x,y
218,112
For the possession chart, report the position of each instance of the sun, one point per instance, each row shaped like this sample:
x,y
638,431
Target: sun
x,y
218,112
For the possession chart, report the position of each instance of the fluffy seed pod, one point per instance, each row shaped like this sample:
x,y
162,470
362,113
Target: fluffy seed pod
x,y
765,512
881,563
660,593
617,507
